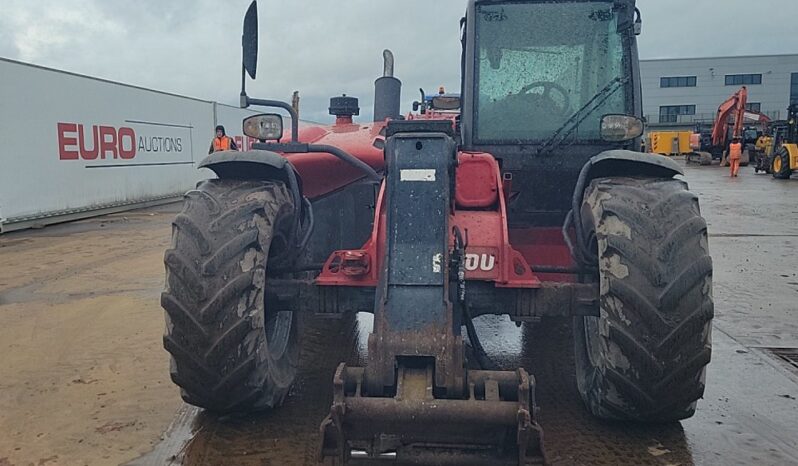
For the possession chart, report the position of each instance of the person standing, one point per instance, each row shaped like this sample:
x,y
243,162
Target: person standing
x,y
735,154
222,141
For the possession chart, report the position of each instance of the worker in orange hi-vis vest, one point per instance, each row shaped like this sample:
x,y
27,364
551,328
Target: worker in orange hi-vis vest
x,y
735,154
222,141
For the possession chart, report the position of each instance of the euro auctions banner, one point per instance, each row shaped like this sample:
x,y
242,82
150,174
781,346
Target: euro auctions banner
x,y
140,143
75,144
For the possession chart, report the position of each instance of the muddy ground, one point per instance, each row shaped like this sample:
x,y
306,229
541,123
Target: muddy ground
x,y
84,379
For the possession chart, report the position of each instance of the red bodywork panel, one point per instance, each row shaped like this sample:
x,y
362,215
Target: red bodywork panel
x,y
324,173
494,253
479,212
476,187
544,247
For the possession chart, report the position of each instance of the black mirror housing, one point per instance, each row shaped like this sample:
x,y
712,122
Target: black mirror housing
x,y
249,40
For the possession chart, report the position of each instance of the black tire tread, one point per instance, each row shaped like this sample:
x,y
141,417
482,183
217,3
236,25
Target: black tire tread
x,y
653,352
785,172
215,317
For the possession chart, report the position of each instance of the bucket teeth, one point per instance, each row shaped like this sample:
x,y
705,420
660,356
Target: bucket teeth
x,y
496,424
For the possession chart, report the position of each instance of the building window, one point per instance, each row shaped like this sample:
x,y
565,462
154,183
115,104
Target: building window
x,y
794,89
754,107
671,113
743,79
680,81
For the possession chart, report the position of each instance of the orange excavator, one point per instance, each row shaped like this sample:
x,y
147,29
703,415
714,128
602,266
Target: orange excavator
x,y
713,143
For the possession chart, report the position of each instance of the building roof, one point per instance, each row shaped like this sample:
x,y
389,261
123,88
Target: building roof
x,y
720,57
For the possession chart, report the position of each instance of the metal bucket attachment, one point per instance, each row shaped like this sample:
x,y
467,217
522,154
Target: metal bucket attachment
x,y
495,425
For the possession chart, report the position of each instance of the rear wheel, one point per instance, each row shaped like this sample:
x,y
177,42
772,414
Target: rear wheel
x,y
645,357
780,165
229,353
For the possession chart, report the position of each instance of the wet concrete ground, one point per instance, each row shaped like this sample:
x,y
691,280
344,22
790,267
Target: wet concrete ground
x,y
83,376
749,414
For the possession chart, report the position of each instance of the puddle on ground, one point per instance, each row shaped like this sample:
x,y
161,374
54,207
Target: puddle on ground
x,y
290,435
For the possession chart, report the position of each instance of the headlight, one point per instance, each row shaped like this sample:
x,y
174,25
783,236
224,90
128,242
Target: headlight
x,y
620,128
264,127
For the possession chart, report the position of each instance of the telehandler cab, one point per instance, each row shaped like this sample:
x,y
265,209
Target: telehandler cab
x,y
533,202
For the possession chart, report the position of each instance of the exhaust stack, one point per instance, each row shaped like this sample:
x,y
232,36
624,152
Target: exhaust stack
x,y
387,91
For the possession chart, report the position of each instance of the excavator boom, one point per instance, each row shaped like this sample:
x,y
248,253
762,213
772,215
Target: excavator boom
x,y
735,105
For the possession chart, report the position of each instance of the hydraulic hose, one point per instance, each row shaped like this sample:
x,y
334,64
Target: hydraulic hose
x,y
348,158
481,356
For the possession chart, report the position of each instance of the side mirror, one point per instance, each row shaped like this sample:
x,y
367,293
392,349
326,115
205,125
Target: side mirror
x,y
265,127
249,40
446,103
621,128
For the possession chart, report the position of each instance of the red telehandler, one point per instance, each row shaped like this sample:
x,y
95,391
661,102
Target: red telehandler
x,y
532,202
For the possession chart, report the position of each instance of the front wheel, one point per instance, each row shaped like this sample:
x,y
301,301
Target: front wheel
x,y
645,357
229,352
780,165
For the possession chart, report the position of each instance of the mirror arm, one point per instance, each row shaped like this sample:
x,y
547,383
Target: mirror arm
x,y
246,102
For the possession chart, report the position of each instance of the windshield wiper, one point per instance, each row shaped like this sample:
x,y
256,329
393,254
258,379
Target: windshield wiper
x,y
574,120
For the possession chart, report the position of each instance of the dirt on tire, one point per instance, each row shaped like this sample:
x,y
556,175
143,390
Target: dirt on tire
x,y
783,156
228,353
645,357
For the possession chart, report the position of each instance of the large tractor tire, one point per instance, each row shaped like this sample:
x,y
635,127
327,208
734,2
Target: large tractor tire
x,y
645,357
229,353
780,164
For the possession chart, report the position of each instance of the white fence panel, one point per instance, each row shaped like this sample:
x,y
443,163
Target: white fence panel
x,y
76,146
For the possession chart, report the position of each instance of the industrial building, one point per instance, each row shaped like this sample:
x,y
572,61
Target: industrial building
x,y
679,92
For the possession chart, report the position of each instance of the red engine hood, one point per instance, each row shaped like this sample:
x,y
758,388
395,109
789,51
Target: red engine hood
x,y
323,173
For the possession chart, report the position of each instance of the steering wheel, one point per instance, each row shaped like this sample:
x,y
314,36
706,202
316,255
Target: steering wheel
x,y
549,86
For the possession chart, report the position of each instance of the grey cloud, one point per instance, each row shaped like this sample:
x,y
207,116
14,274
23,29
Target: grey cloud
x,y
7,46
700,28
324,48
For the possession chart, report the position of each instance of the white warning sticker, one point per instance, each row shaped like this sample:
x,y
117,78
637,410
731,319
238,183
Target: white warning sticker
x,y
417,175
436,263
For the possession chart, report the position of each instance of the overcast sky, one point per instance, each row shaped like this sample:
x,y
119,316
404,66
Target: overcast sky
x,y
328,47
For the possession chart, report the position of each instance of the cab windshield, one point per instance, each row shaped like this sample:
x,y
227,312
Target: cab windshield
x,y
540,63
